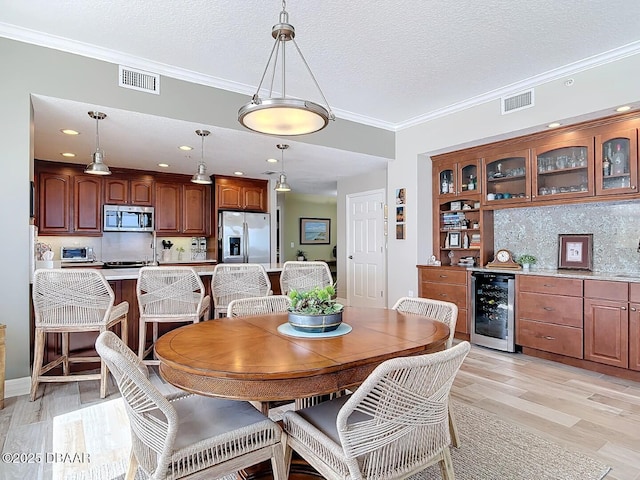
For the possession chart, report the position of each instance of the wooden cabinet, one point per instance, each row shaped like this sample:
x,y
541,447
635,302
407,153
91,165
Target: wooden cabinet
x,y
549,314
129,191
241,194
562,168
606,322
450,285
616,164
506,177
634,326
457,177
68,201
182,208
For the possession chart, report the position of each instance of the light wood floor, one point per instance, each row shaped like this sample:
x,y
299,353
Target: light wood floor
x,y
582,410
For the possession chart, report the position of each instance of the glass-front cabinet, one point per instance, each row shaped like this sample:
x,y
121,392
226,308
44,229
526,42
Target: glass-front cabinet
x,y
506,178
563,169
460,178
617,162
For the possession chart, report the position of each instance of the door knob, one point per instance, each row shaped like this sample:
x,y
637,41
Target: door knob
x,y
350,257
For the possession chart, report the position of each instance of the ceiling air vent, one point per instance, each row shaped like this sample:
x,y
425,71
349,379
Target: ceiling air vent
x,y
138,80
516,102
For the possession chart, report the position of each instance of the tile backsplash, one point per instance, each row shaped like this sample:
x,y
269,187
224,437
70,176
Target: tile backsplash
x,y
615,227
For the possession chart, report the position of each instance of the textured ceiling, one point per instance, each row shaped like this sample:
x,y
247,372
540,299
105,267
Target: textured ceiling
x,y
382,63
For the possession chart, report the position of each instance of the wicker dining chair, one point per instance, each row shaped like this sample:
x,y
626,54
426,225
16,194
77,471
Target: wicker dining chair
x,y
258,305
168,294
69,301
186,435
303,276
445,312
231,281
393,426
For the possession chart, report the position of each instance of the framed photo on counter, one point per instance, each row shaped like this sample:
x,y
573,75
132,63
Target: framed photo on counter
x,y
575,252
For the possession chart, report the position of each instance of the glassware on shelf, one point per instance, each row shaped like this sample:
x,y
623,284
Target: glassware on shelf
x,y
618,161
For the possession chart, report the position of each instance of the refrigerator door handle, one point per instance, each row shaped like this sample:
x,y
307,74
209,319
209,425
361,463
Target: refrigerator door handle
x,y
245,232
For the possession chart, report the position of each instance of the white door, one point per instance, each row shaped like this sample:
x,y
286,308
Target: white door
x,y
366,255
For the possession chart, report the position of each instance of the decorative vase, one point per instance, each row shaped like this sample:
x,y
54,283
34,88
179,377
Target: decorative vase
x,y
315,323
525,266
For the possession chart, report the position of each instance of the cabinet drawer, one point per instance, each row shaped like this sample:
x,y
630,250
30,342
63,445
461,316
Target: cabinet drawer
x,y
558,339
445,292
554,285
607,290
556,309
634,292
444,276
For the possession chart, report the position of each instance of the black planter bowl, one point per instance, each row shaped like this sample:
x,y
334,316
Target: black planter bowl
x,y
315,323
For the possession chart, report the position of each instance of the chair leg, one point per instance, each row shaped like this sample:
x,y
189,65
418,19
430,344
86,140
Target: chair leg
x,y
65,353
280,470
142,339
446,465
453,429
124,329
38,357
133,467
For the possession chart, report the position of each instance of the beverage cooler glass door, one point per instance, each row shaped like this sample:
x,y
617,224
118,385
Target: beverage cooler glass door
x,y
492,311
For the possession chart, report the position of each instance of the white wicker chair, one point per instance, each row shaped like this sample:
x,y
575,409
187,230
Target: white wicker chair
x,y
168,294
67,301
188,435
258,305
231,281
303,276
445,312
393,426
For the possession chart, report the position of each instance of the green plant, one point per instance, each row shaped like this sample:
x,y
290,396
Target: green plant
x,y
180,249
526,258
301,253
318,301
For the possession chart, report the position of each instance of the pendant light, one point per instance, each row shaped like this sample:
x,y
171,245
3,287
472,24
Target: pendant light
x,y
281,115
201,176
282,185
97,167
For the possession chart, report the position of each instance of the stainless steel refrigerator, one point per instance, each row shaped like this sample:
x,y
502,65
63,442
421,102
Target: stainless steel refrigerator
x,y
245,237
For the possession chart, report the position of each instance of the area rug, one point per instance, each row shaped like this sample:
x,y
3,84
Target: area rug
x,y
491,449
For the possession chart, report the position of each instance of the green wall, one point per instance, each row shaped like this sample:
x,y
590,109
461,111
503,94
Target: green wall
x,y
308,206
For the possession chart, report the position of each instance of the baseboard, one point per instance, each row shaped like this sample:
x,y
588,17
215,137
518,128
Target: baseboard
x,y
17,387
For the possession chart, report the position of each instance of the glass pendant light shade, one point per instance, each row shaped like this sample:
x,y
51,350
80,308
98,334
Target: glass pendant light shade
x,y
282,115
97,166
201,176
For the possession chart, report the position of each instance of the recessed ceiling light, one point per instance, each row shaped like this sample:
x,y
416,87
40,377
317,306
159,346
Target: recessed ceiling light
x,y
272,160
554,125
238,173
186,148
624,108
163,165
68,154
68,131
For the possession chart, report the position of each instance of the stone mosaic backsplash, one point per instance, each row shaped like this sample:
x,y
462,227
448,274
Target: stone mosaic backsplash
x,y
615,227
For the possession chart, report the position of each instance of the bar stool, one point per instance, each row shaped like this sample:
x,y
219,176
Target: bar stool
x,y
69,301
231,281
168,294
303,276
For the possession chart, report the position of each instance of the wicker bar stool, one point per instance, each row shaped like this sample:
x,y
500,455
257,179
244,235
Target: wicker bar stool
x,y
303,276
67,301
445,312
231,281
168,294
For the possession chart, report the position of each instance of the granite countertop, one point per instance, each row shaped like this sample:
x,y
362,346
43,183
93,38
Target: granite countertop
x,y
579,274
132,273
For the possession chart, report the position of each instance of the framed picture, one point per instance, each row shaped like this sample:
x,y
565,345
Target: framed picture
x,y
399,214
315,231
400,196
400,231
575,251
454,240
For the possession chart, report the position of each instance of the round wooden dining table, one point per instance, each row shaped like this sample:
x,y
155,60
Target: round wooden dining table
x,y
248,358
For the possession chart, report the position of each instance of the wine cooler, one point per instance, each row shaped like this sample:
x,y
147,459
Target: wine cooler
x,y
492,310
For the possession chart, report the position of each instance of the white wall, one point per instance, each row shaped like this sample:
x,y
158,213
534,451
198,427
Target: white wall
x,y
595,92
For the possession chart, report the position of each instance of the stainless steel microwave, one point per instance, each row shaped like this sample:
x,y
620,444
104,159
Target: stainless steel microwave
x,y
128,218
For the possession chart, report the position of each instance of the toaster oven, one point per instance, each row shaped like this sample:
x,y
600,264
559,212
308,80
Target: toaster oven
x,y
76,254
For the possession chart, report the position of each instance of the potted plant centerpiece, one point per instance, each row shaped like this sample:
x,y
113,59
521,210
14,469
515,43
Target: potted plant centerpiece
x,y
526,261
301,255
315,310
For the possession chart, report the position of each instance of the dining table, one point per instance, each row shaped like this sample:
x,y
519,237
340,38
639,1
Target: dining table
x,y
261,358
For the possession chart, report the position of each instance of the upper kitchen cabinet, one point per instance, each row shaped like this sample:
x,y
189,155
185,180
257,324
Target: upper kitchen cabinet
x,y
457,177
616,163
562,168
129,191
69,201
182,208
241,194
505,180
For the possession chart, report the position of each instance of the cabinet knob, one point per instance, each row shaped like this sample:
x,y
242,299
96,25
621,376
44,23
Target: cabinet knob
x,y
548,337
547,285
623,308
443,276
633,187
633,309
443,294
549,309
